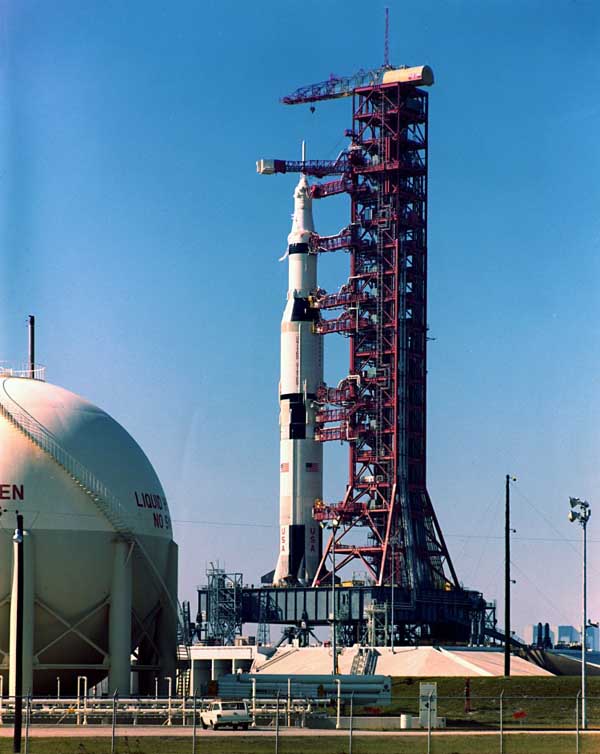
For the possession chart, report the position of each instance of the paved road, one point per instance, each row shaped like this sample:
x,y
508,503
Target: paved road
x,y
135,731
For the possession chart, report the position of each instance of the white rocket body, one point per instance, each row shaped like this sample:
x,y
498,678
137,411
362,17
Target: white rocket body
x,y
301,457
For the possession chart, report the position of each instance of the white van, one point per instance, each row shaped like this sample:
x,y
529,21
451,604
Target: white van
x,y
219,714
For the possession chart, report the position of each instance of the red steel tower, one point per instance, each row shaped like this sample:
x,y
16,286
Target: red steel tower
x,y
385,520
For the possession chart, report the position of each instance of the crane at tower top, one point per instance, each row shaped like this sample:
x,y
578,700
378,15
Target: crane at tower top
x,y
343,86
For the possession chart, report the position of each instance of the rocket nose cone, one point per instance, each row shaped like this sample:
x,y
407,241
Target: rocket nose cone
x,y
302,189
302,219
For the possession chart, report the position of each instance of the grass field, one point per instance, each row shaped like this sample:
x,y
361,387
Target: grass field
x,y
514,744
548,702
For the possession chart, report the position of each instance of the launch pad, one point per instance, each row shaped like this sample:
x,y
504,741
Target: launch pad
x,y
363,614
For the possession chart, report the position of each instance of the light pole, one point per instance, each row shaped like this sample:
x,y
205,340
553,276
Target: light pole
x,y
581,512
18,721
393,621
334,527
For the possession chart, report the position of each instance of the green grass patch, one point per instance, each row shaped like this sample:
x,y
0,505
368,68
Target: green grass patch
x,y
547,702
514,744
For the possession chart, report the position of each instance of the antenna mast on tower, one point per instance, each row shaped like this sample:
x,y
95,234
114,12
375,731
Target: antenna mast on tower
x,y
386,40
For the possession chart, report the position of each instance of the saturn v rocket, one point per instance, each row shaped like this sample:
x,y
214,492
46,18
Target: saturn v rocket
x,y
301,456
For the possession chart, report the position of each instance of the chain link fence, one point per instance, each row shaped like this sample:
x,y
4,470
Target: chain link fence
x,y
440,725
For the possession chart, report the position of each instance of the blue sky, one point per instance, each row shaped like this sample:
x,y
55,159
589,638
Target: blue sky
x,y
133,224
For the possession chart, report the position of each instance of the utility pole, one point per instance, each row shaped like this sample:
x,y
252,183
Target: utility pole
x,y
507,581
18,538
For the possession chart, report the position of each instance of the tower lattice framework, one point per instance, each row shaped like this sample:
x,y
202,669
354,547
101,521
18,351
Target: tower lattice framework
x,y
386,519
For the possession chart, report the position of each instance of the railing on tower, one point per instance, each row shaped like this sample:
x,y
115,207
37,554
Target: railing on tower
x,y
25,371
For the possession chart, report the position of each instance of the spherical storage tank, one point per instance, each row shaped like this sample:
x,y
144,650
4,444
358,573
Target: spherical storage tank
x,y
100,564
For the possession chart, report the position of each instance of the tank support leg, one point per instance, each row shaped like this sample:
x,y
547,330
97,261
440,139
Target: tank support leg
x,y
167,623
28,617
119,628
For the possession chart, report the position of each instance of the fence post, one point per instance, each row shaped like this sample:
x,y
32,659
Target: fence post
x,y
577,722
277,724
194,726
502,722
338,723
114,724
429,723
350,723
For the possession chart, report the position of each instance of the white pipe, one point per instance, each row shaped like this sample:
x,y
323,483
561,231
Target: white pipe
x,y
169,680
78,701
85,696
82,681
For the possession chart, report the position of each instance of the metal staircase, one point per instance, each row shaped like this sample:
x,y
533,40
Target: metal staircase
x,y
106,502
184,671
364,662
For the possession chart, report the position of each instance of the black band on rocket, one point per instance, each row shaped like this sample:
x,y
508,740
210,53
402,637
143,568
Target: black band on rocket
x,y
297,426
302,311
298,248
293,396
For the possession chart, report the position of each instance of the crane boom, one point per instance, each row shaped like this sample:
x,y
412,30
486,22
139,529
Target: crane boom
x,y
343,86
334,87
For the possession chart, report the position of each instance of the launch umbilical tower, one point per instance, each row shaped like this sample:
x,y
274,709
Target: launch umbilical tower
x,y
380,408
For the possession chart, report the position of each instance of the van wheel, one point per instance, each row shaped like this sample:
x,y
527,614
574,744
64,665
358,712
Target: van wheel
x,y
204,725
214,726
